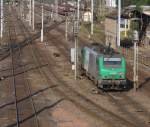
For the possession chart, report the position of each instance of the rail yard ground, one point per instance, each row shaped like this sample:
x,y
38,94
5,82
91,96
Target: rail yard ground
x,y
37,86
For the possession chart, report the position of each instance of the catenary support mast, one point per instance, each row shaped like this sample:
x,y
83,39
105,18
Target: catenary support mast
x,y
92,17
119,18
2,18
33,7
42,23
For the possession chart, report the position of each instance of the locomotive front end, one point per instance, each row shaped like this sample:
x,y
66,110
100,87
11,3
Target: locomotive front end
x,y
113,73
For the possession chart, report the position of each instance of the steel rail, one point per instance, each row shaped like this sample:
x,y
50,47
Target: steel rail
x,y
13,73
30,93
27,82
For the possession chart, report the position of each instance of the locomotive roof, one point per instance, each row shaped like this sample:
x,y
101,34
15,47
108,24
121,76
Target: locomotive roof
x,y
113,56
106,51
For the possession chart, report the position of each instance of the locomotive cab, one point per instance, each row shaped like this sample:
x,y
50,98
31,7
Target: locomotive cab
x,y
112,72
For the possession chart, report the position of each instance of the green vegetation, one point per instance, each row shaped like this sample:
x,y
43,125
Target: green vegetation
x,y
85,28
135,2
135,25
100,18
98,30
140,2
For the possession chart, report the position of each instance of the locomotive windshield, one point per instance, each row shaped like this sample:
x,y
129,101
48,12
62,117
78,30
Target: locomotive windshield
x,y
113,62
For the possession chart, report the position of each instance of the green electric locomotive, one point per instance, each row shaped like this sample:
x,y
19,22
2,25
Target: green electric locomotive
x,y
104,66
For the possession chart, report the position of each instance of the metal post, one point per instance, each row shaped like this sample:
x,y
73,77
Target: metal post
x,y
119,17
76,31
135,66
66,31
13,3
77,27
30,12
76,45
92,17
2,18
76,57
42,23
33,6
50,11
137,63
22,16
78,11
56,9
20,9
23,6
125,27
22,13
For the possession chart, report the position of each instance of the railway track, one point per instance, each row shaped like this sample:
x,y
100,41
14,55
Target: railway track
x,y
59,49
130,108
82,102
4,51
79,97
20,110
63,48
38,110
121,106
26,111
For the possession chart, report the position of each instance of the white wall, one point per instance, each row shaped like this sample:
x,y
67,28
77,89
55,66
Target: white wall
x,y
87,17
110,3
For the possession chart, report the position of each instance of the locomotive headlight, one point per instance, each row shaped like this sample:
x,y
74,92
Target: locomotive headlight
x,y
120,73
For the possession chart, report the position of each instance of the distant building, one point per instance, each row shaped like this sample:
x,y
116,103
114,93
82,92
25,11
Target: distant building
x,y
111,3
111,29
87,16
125,26
146,40
127,17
